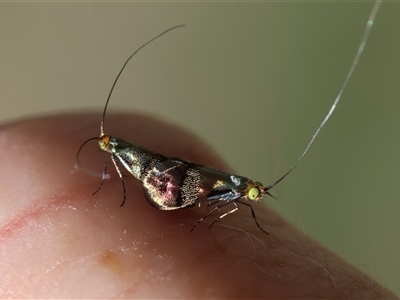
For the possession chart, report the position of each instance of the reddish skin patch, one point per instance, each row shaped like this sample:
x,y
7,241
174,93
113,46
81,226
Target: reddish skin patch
x,y
20,221
57,240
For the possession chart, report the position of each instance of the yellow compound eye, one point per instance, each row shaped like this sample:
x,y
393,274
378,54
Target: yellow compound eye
x,y
253,193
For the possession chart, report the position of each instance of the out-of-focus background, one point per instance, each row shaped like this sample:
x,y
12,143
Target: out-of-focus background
x,y
254,80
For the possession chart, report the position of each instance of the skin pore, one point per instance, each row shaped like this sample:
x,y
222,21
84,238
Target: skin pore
x,y
58,240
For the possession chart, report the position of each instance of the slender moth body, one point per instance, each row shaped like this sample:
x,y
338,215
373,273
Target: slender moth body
x,y
174,183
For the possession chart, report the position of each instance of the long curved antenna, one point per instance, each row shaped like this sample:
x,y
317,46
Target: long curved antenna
x,y
80,166
333,107
122,69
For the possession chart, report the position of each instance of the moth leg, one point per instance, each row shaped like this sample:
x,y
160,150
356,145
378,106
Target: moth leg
x,y
225,214
209,213
254,216
102,178
122,179
210,202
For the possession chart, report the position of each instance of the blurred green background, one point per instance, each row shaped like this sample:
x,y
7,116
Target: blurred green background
x,y
254,80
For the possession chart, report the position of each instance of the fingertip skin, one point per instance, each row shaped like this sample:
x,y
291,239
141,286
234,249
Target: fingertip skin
x,y
59,240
